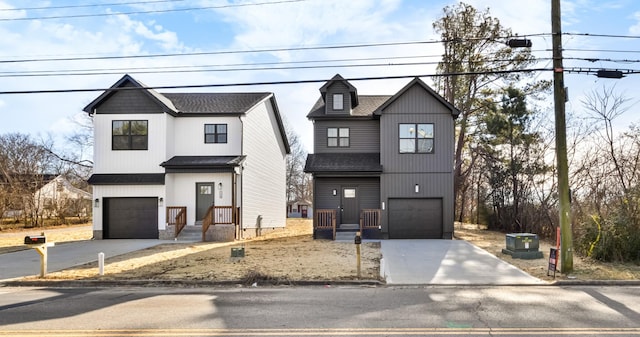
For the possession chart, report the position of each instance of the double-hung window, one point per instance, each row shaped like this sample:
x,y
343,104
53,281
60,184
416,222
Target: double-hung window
x,y
338,102
130,135
338,137
215,133
416,138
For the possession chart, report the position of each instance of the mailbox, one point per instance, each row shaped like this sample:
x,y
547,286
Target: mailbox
x,y
34,239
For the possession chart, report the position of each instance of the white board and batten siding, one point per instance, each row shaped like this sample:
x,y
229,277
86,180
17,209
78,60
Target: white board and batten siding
x,y
107,160
189,137
264,181
181,190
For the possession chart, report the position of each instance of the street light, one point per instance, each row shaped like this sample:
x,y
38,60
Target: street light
x,y
605,73
519,43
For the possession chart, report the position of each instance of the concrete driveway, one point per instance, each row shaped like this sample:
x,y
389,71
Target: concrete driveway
x,y
66,255
446,262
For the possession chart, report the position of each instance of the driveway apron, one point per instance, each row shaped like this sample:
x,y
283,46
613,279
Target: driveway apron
x,y
446,262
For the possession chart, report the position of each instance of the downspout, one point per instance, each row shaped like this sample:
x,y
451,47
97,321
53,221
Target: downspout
x,y
241,173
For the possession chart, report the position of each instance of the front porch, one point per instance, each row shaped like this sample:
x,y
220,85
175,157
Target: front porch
x,y
326,221
220,223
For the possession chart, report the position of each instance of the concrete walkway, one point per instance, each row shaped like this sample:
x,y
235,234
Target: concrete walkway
x,y
446,262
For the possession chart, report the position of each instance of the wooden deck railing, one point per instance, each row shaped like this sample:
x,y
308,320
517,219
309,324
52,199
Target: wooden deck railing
x,y
325,219
218,215
369,219
177,215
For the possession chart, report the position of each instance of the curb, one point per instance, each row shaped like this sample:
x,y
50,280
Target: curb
x,y
178,283
267,283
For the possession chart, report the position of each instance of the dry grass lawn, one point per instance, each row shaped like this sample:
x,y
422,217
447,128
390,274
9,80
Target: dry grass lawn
x,y
287,257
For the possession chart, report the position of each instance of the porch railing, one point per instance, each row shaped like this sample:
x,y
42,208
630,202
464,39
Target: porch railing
x,y
177,216
325,219
369,219
218,215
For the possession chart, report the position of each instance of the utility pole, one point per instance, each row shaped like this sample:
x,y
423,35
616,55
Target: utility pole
x,y
559,94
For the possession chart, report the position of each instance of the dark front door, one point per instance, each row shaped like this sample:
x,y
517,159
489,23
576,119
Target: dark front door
x,y
204,199
349,205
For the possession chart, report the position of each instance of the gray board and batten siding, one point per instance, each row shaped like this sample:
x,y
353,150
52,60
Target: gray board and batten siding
x,y
367,192
414,191
432,172
364,136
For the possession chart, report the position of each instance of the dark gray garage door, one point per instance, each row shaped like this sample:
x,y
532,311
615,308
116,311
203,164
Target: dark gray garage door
x,y
415,218
130,218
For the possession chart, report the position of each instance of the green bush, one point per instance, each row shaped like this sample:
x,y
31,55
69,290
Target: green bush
x,y
615,239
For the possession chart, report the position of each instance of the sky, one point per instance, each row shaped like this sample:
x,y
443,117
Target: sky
x,y
214,42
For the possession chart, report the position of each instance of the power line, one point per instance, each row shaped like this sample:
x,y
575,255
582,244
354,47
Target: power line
x,y
269,50
602,50
220,85
604,35
151,11
86,6
237,67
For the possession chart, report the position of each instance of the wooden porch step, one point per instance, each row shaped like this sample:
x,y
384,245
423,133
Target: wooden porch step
x,y
352,227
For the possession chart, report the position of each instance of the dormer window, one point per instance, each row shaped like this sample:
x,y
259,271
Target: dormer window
x,y
338,102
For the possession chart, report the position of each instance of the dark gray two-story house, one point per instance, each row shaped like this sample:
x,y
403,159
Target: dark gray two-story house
x,y
383,164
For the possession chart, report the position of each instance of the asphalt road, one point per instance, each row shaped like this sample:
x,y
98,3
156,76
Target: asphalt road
x,y
321,311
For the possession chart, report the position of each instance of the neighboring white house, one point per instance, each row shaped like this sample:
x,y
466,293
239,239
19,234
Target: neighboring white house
x,y
59,197
157,153
300,209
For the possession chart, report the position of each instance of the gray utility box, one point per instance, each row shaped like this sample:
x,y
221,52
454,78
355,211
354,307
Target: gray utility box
x,y
523,246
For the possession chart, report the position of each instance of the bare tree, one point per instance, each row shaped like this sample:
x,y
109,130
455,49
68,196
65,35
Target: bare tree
x,y
298,182
24,164
478,64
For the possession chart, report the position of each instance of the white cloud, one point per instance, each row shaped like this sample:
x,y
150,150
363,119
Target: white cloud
x,y
8,11
635,29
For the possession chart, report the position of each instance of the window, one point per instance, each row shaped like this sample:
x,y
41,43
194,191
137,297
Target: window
x,y
416,138
129,135
338,137
349,193
215,133
338,102
205,189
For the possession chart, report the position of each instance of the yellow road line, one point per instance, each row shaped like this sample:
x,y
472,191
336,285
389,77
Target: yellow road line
x,y
319,332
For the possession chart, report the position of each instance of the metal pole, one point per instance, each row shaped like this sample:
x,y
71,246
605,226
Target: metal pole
x,y
566,241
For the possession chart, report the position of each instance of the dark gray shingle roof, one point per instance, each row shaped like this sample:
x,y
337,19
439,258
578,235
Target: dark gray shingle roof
x,y
127,179
188,162
367,105
343,162
215,102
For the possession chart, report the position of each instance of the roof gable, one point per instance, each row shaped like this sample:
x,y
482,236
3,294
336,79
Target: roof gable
x,y
417,81
337,78
129,82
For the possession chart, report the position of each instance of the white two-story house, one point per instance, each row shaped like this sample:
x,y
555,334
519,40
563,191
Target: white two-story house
x,y
163,161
